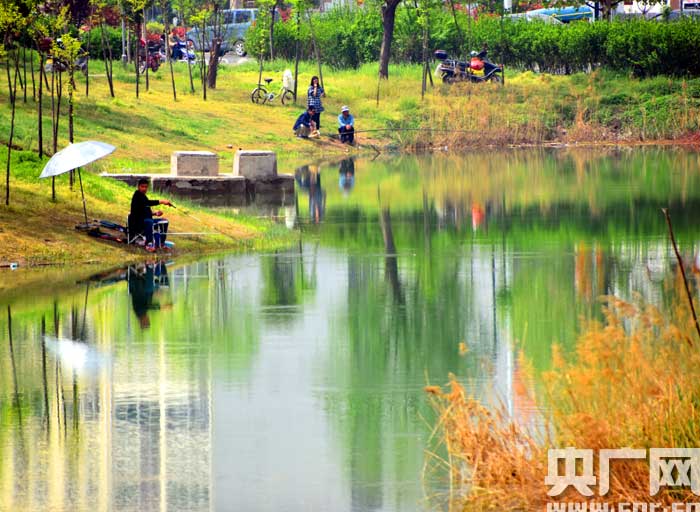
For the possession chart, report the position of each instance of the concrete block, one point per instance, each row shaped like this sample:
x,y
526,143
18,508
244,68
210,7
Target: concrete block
x,y
255,165
194,163
219,191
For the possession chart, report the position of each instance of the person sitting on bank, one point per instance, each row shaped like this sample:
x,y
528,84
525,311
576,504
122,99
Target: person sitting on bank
x,y
346,126
141,216
174,43
305,123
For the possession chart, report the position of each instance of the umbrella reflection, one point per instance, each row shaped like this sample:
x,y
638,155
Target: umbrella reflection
x,y
75,355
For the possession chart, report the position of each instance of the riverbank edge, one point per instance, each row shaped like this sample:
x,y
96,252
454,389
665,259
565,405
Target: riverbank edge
x,y
260,241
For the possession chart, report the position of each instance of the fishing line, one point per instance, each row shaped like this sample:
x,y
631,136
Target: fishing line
x,y
194,217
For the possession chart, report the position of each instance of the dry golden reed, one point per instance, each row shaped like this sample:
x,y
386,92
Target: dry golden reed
x,y
633,381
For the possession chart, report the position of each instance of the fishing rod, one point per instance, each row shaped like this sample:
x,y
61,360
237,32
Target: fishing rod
x,y
194,217
407,130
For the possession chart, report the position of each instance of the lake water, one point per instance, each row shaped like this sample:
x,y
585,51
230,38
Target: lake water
x,y
293,381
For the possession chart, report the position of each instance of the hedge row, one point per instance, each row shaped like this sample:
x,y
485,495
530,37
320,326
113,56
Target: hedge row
x,y
350,37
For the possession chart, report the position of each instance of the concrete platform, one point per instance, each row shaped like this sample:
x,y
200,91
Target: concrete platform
x,y
222,190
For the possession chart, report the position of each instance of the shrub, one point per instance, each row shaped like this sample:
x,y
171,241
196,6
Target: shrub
x,y
348,38
114,39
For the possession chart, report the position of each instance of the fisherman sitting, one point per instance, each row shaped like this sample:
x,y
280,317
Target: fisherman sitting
x,y
346,126
305,124
141,217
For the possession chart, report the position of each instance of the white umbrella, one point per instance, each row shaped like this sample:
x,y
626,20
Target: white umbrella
x,y
73,157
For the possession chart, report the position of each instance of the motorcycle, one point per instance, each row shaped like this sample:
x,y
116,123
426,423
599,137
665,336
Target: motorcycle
x,y
478,69
151,55
54,63
183,51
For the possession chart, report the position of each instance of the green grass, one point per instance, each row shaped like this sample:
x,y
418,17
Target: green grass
x,y
530,109
34,230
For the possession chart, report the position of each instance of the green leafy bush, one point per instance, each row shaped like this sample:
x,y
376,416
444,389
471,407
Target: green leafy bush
x,y
113,37
347,38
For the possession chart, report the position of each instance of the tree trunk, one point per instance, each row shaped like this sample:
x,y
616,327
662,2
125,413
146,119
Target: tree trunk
x,y
53,127
272,31
71,88
296,56
23,78
189,69
31,64
213,62
107,56
13,95
317,52
460,38
388,19
203,71
426,72
168,54
40,113
9,79
145,48
87,66
137,46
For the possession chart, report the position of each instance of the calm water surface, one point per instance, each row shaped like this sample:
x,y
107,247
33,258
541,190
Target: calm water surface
x,y
293,381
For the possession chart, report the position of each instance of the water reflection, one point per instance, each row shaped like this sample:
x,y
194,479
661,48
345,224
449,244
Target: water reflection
x,y
293,380
346,171
308,179
144,282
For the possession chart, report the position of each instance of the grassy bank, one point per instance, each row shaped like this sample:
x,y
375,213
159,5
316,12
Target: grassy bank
x,y
530,109
34,230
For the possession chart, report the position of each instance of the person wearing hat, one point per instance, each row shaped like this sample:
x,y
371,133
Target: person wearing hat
x,y
346,126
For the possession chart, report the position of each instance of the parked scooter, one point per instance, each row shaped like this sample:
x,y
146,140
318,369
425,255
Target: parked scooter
x,y
478,69
150,55
59,65
183,51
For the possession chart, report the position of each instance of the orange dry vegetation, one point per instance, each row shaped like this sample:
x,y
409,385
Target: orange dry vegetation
x,y
633,382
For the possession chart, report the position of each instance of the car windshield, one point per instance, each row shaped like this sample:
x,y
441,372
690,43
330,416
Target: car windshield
x,y
242,17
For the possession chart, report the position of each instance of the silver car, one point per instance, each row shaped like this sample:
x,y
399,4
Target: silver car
x,y
234,26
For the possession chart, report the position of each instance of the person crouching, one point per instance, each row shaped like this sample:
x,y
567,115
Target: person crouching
x,y
305,123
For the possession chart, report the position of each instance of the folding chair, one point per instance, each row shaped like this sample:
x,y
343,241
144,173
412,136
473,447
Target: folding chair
x,y
133,237
138,238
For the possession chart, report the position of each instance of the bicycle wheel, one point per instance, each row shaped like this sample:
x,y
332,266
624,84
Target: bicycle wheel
x,y
258,95
287,97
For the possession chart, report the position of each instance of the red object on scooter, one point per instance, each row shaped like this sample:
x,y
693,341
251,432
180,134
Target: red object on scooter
x,y
476,64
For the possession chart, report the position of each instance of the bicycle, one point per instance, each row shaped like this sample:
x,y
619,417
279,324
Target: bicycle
x,y
261,95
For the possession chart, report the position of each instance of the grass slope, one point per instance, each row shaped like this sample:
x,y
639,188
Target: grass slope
x,y
34,230
530,109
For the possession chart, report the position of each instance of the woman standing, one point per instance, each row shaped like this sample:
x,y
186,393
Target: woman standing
x,y
314,100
